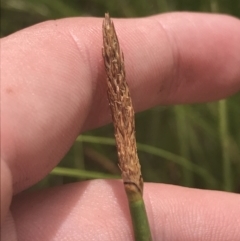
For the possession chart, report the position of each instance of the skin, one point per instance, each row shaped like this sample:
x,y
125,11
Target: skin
x,y
53,88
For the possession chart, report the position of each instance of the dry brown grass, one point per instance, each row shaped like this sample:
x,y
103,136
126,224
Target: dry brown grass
x,y
121,109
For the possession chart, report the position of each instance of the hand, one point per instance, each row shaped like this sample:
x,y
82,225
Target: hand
x,y
53,88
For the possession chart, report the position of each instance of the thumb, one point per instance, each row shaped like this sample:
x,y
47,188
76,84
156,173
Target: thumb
x,y
6,190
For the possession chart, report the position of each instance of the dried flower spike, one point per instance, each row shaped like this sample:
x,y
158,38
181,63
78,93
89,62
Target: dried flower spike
x,y
121,108
124,127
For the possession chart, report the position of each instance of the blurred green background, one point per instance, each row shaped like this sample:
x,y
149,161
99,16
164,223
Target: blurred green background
x,y
189,145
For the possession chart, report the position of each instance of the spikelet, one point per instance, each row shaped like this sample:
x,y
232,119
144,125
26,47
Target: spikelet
x,y
121,109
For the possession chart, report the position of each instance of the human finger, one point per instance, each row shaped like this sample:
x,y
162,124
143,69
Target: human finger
x,y
98,210
53,80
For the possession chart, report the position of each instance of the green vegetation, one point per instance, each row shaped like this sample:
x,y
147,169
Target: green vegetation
x,y
192,145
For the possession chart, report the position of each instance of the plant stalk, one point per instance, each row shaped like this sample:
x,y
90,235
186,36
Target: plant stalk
x,y
124,128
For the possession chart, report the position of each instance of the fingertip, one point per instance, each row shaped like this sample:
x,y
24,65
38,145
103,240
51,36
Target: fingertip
x,y
192,214
100,207
6,190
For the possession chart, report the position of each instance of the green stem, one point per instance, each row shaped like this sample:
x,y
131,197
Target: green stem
x,y
138,212
202,172
140,221
224,138
70,172
182,130
78,155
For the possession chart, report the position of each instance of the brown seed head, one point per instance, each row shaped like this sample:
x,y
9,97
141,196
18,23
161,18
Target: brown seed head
x,y
121,109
